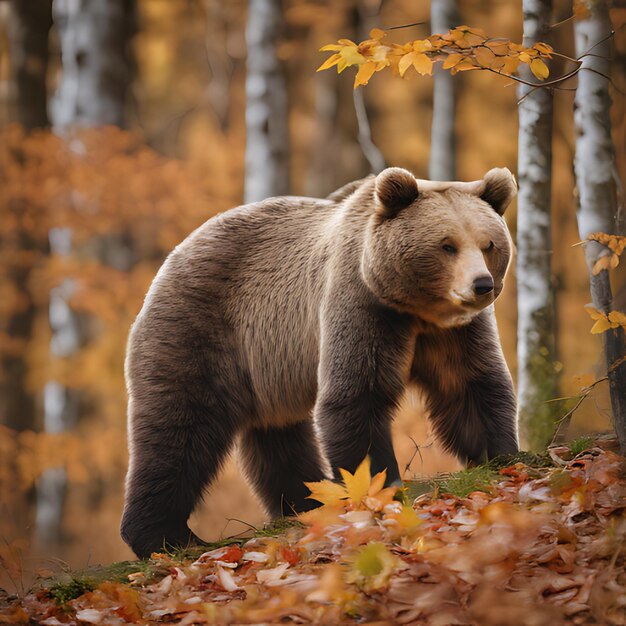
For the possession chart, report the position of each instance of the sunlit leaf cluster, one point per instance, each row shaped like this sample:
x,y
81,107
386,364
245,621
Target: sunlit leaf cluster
x,y
461,49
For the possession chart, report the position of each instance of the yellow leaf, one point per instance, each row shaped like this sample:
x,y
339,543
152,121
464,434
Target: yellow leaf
x,y
357,484
617,319
539,69
543,48
364,74
372,566
452,60
605,262
377,33
594,313
331,47
351,56
327,492
423,65
405,62
510,65
601,326
616,243
378,482
329,62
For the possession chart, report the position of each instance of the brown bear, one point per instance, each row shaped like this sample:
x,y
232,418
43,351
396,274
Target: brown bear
x,y
294,325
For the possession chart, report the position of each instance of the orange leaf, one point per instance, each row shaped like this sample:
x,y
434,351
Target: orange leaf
x,y
452,60
327,492
364,74
605,262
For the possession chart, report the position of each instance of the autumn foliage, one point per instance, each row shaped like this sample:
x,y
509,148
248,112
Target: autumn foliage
x,y
532,546
461,49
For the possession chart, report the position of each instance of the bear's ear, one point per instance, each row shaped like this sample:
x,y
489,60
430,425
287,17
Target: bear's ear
x,y
499,189
395,189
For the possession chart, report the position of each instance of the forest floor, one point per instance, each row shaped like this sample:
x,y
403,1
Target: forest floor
x,y
529,540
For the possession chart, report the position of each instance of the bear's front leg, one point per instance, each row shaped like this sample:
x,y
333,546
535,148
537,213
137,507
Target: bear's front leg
x,y
469,390
361,379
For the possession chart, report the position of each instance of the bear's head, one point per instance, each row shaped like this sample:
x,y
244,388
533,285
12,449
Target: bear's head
x,y
438,250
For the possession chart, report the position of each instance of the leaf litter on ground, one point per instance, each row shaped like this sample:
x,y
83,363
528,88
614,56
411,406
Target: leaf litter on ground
x,y
532,545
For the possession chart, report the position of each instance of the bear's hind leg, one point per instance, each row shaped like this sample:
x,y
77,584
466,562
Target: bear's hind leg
x,y
277,462
173,459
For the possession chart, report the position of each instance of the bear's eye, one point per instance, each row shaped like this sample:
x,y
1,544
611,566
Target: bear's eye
x,y
449,248
490,247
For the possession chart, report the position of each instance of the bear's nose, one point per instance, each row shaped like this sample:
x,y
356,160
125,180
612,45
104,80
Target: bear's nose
x,y
483,285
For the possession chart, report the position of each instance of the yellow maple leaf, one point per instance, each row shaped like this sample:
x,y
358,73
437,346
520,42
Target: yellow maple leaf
x,y
357,484
327,492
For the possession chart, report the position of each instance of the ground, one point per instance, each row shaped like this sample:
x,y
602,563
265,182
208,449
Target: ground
x,y
527,540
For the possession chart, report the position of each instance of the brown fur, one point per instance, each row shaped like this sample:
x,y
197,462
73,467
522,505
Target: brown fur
x,y
293,308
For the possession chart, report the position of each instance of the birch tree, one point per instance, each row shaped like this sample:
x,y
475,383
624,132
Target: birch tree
x,y
442,163
597,183
94,38
537,378
267,124
29,26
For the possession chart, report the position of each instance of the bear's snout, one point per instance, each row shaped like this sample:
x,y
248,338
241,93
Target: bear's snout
x,y
483,285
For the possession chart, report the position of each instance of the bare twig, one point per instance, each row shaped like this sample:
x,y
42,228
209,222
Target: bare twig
x,y
564,422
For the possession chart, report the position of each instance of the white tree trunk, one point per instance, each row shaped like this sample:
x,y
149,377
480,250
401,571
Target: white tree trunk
x,y
94,38
537,378
442,164
267,123
597,182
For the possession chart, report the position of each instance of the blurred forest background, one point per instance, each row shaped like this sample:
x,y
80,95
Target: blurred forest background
x,y
123,127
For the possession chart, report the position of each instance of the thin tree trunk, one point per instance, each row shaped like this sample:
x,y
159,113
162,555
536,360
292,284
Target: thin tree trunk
x,y
537,377
598,185
442,163
94,39
29,25
267,124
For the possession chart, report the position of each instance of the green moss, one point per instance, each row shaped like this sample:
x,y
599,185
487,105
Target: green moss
x,y
461,484
580,445
527,458
63,592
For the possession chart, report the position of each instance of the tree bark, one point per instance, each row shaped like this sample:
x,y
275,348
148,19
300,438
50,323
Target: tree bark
x,y
94,36
267,114
29,25
442,163
597,182
537,377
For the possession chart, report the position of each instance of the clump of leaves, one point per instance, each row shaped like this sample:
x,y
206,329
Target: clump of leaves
x,y
363,557
462,48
